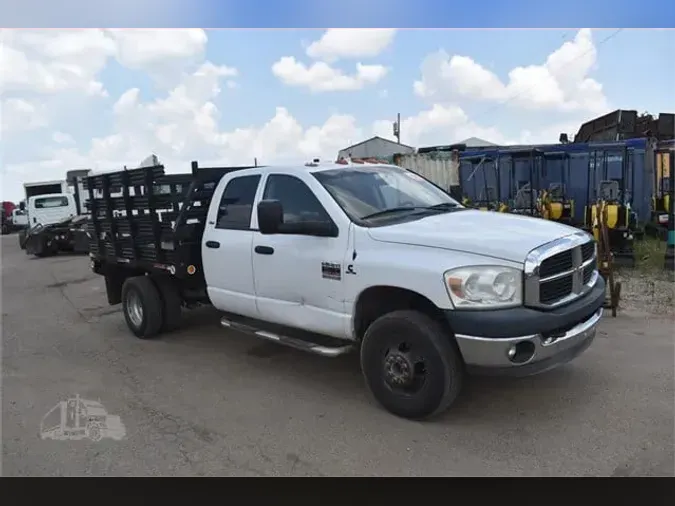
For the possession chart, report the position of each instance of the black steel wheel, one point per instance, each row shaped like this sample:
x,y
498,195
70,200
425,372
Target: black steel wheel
x,y
142,307
411,365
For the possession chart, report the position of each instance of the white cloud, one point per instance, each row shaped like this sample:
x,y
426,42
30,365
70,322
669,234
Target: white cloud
x,y
439,125
352,43
560,83
321,77
62,138
70,60
18,115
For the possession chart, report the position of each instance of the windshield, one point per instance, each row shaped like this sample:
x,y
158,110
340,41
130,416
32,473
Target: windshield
x,y
370,192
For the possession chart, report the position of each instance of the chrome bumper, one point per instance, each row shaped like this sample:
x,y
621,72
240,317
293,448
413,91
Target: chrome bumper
x,y
491,356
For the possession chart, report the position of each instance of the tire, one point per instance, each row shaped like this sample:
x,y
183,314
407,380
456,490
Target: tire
x,y
6,229
141,292
172,302
42,248
22,239
94,432
442,364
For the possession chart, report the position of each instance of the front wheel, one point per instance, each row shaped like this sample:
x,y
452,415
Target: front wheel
x,y
411,365
142,307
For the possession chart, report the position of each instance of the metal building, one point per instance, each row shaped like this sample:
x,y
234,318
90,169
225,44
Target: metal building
x,y
375,147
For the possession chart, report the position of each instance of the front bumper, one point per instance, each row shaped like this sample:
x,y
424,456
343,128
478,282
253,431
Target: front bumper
x,y
549,342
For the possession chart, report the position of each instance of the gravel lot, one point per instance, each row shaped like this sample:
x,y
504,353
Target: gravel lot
x,y
206,402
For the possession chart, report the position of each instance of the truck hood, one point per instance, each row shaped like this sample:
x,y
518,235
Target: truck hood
x,y
499,235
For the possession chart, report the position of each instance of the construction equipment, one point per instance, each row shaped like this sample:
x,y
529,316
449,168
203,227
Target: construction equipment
x,y
611,197
601,232
487,192
669,258
664,159
555,203
616,221
524,182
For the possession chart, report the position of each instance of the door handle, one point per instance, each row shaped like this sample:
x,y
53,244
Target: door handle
x,y
212,244
264,250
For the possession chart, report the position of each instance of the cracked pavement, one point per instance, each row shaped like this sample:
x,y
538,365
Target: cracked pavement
x,y
207,402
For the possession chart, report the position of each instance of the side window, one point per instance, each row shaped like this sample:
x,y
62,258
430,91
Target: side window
x,y
297,199
236,205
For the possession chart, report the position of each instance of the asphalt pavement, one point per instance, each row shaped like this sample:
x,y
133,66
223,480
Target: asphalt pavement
x,y
204,401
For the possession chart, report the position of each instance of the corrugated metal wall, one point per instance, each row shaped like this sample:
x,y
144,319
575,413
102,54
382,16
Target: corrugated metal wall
x,y
441,170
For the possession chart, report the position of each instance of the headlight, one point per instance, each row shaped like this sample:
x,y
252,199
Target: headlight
x,y
485,287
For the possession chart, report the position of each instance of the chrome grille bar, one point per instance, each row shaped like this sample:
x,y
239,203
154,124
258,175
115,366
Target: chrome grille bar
x,y
579,246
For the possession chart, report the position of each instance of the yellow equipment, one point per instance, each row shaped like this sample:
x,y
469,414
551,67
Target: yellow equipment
x,y
662,183
555,206
614,216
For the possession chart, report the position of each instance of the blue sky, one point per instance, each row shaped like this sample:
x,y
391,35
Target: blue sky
x,y
56,118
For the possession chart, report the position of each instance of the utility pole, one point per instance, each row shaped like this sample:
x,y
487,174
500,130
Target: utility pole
x,y
397,128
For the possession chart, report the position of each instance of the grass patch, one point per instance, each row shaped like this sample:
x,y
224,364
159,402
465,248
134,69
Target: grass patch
x,y
649,255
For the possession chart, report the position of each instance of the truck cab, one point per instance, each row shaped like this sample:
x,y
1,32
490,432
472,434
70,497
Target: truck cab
x,y
49,209
375,258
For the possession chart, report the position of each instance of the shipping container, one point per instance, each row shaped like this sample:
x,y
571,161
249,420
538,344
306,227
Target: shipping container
x,y
439,168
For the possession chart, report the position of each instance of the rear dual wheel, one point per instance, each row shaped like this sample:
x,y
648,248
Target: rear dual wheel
x,y
151,305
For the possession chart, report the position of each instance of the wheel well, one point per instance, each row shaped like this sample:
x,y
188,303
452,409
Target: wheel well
x,y
377,301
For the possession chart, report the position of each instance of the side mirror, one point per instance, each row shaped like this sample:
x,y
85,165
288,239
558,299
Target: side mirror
x,y
270,216
22,206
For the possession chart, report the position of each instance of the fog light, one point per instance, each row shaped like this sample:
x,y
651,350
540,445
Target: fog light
x,y
93,265
521,352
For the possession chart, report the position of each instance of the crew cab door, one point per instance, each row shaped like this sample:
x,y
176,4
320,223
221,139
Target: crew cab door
x,y
227,244
299,278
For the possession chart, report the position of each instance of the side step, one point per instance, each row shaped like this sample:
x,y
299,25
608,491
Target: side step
x,y
292,342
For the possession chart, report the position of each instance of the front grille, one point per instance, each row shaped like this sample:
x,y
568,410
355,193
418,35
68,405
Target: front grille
x,y
588,270
588,250
560,272
554,290
555,264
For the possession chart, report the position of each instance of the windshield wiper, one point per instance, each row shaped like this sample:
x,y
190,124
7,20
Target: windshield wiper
x,y
443,206
393,210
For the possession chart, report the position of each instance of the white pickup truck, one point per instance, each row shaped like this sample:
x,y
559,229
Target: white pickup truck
x,y
333,258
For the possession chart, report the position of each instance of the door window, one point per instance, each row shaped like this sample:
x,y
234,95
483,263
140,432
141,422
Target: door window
x,y
297,200
236,205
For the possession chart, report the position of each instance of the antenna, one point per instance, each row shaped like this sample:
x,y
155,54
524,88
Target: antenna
x,y
397,128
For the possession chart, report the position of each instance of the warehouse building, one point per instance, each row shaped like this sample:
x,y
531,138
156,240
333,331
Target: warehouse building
x,y
375,147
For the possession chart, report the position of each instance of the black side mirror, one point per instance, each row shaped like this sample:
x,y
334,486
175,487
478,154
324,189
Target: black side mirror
x,y
270,216
22,206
